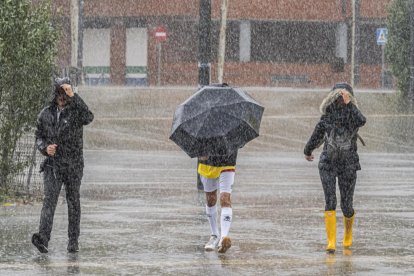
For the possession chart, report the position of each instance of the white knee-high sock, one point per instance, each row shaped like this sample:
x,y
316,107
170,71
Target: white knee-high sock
x,y
225,220
212,219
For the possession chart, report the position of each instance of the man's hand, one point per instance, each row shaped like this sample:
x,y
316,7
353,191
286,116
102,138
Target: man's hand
x,y
346,96
68,89
51,150
309,157
203,158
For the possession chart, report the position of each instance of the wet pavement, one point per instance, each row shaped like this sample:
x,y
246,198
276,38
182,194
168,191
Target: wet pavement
x,y
142,215
140,119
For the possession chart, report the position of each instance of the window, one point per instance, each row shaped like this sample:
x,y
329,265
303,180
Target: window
x,y
296,42
96,56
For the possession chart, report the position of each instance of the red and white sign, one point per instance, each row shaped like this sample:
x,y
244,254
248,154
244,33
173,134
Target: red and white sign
x,y
160,34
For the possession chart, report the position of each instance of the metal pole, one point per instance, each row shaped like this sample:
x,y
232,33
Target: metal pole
x,y
382,66
80,44
355,44
411,92
74,25
222,41
204,53
159,63
204,43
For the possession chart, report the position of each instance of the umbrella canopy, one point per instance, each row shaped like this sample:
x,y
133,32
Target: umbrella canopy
x,y
216,120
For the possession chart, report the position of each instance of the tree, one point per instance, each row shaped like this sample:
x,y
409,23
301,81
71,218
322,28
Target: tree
x,y
397,50
27,54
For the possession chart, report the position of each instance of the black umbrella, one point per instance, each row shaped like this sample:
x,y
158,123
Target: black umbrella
x,y
216,120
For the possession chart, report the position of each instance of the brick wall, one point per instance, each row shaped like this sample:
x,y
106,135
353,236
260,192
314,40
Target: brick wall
x,y
118,50
157,12
265,74
322,10
374,8
119,8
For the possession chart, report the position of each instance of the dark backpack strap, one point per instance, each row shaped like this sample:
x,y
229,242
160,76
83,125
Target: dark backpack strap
x,y
358,136
325,137
362,140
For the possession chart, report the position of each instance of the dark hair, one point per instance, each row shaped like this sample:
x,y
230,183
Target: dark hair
x,y
344,85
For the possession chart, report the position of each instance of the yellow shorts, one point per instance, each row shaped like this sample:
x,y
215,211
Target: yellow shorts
x,y
213,172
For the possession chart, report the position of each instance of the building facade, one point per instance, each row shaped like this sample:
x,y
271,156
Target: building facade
x,y
296,43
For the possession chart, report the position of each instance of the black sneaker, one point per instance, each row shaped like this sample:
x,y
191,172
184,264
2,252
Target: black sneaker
x,y
73,247
40,244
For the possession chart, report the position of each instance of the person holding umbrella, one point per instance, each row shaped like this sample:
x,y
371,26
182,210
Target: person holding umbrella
x,y
59,137
217,173
212,125
338,130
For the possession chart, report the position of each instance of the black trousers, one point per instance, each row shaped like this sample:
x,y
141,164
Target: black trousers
x,y
53,182
346,183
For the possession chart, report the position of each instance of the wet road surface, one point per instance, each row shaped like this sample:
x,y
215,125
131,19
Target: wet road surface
x,y
142,215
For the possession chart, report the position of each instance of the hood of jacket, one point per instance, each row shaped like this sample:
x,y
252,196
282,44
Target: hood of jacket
x,y
58,90
332,97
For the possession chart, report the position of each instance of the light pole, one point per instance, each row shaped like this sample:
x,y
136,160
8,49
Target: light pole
x,y
355,43
222,41
79,75
411,92
74,25
76,39
204,53
204,43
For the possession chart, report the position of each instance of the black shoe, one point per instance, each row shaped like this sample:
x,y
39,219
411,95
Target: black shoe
x,y
73,247
40,244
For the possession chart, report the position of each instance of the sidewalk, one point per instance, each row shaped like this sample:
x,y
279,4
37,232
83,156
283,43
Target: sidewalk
x,y
142,215
141,118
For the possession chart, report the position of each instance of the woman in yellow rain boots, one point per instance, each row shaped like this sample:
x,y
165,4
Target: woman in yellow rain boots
x,y
348,222
338,130
330,224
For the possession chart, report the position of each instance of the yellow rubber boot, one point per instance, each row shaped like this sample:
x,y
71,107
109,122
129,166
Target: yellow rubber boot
x,y
330,223
348,222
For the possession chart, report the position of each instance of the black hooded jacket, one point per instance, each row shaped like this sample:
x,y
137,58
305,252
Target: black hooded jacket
x,y
221,161
347,117
66,133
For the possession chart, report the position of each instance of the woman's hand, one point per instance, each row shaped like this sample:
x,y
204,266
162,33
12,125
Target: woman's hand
x,y
309,157
346,96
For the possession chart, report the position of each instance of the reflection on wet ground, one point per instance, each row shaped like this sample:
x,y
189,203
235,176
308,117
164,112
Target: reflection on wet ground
x,y
142,215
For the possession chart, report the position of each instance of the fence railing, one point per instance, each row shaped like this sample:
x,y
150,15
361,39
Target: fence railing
x,y
29,180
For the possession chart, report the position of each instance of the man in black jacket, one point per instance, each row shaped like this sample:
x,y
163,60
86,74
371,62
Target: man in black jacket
x,y
59,136
340,121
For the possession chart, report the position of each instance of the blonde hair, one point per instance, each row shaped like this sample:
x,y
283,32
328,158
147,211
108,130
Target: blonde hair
x,y
332,96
